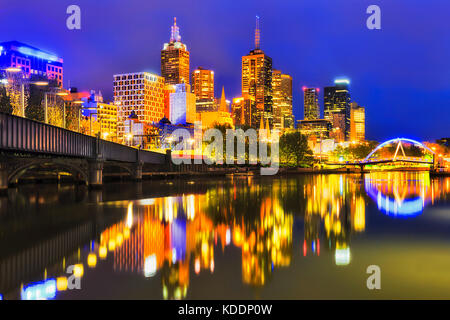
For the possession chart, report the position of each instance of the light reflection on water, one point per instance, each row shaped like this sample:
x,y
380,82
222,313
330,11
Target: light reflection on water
x,y
258,227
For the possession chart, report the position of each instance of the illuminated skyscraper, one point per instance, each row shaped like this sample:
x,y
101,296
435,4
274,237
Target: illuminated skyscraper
x,y
257,78
311,103
282,100
175,59
203,83
203,88
357,122
286,105
242,109
141,93
337,107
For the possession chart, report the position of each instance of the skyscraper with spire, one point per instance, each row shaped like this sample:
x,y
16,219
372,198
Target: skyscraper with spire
x,y
257,78
175,58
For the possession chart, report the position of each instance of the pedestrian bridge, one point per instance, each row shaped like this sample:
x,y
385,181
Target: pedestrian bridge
x,y
26,144
399,155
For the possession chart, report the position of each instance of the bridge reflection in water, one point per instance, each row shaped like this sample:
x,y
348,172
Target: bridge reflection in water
x,y
177,238
401,194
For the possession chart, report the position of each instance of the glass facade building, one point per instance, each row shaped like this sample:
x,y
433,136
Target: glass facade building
x,y
337,106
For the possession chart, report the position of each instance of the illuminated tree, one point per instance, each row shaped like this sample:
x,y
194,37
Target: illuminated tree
x,y
294,149
5,102
55,115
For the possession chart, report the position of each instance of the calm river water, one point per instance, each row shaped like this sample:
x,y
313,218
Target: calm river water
x,y
296,237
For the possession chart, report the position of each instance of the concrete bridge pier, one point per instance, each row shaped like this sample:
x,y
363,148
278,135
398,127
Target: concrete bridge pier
x,y
95,177
137,171
3,177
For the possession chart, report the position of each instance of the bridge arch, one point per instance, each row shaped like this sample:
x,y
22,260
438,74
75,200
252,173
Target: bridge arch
x,y
398,140
75,169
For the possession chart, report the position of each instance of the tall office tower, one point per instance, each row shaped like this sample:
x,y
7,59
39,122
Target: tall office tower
x,y
175,58
203,83
203,88
337,107
242,109
286,105
257,79
282,100
357,122
32,61
141,93
277,99
311,109
182,105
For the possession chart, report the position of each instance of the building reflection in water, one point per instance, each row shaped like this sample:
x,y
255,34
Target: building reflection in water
x,y
170,235
337,203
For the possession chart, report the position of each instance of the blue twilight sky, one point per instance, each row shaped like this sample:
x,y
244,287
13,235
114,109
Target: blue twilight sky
x,y
401,73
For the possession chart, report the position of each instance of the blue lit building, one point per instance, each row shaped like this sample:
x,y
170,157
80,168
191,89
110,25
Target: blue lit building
x,y
32,61
166,128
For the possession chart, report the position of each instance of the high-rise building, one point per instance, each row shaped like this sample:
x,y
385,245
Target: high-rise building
x,y
244,113
257,79
286,103
141,93
277,98
357,122
203,83
337,106
203,87
32,61
175,58
182,105
311,109
282,100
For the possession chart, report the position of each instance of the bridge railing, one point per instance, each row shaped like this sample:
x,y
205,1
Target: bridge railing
x,y
22,134
118,152
29,136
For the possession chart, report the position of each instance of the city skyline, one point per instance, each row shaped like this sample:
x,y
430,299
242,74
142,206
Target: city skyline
x,y
419,99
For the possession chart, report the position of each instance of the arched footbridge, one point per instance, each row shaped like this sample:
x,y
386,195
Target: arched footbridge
x,y
398,156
